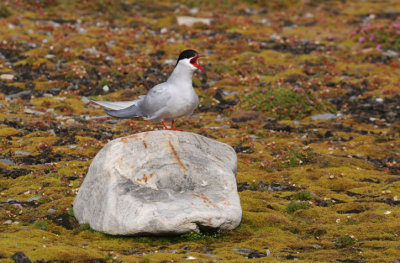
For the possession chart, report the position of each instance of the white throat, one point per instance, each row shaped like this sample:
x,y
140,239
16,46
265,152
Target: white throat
x,y
182,75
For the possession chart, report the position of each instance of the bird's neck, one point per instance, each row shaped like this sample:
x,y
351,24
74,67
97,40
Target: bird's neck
x,y
181,76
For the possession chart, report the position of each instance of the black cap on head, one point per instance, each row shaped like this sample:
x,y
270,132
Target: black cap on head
x,y
188,53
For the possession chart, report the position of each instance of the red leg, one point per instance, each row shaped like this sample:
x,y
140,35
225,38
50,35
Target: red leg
x,y
165,126
173,126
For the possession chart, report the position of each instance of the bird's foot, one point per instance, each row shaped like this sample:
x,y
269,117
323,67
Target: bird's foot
x,y
173,128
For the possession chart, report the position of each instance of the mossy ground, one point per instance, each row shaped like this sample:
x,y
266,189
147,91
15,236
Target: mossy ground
x,y
322,191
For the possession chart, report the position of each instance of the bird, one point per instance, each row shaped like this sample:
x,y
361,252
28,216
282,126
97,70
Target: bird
x,y
166,101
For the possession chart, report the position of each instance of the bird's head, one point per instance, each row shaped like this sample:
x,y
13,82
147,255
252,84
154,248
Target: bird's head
x,y
190,58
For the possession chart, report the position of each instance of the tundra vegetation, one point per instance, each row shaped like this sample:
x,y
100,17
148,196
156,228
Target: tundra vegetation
x,y
312,187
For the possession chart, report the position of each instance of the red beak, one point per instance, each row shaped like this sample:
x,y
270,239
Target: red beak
x,y
194,62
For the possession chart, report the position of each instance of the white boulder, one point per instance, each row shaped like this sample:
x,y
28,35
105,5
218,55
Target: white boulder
x,y
160,182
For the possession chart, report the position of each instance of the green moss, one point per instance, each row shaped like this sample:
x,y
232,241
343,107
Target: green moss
x,y
41,223
283,102
302,196
205,236
4,11
296,205
345,241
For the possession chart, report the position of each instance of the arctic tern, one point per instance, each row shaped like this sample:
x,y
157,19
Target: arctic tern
x,y
166,101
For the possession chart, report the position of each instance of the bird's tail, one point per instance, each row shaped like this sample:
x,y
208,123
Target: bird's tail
x,y
129,112
114,105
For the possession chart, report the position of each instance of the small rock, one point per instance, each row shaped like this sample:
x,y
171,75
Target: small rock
x,y
6,77
170,62
20,257
51,210
33,199
8,222
268,252
112,121
194,11
23,93
85,117
106,88
7,161
21,153
245,116
265,21
185,247
324,116
17,206
50,56
190,21
85,99
242,250
172,251
43,227
163,30
85,243
190,258
210,255
110,43
316,246
390,53
92,50
82,30
379,100
70,121
33,112
256,255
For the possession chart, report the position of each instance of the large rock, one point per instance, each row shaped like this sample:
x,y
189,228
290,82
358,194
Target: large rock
x,y
160,182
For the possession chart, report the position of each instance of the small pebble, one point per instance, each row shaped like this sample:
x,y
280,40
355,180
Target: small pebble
x,y
21,153
49,56
6,77
185,247
70,121
241,250
85,99
51,210
7,161
324,116
36,198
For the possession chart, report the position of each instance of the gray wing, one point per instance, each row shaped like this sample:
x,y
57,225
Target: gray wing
x,y
155,101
